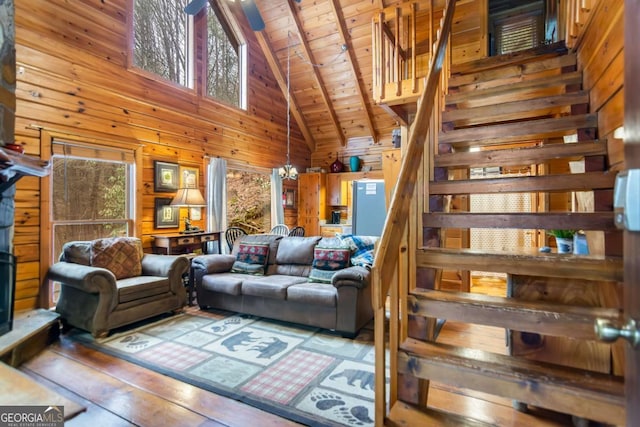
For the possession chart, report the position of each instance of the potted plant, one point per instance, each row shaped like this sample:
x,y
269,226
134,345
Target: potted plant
x,y
564,240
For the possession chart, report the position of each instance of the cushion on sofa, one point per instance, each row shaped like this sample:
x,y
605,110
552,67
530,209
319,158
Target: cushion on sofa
x,y
269,239
120,255
77,252
361,248
313,294
296,250
270,286
327,261
251,258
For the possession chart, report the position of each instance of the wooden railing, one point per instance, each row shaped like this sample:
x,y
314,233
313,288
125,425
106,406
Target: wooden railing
x,y
388,263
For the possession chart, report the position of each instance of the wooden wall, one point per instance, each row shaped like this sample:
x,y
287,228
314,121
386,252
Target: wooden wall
x,y
73,78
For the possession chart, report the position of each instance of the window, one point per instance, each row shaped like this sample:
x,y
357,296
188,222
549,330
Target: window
x,y
249,200
226,59
515,25
91,193
163,39
164,45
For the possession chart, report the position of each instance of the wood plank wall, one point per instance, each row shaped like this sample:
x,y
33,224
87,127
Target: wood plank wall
x,y
73,78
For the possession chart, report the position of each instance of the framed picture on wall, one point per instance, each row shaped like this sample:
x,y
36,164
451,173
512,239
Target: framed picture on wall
x,y
189,177
165,177
167,216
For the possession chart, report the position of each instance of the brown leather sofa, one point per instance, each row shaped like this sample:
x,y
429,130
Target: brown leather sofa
x,y
107,283
284,292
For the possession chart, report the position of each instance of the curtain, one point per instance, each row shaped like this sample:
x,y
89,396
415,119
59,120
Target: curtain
x,y
277,210
217,199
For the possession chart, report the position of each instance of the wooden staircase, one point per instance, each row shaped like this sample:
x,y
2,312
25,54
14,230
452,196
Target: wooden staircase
x,y
509,111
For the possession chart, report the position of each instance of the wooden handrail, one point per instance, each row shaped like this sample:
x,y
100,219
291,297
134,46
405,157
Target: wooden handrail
x,y
387,251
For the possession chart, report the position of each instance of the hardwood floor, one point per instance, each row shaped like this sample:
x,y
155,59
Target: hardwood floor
x,y
119,393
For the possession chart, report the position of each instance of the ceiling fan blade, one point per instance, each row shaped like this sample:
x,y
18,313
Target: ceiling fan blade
x,y
253,15
194,7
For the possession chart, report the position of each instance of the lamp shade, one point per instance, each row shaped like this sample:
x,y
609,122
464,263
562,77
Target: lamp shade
x,y
188,197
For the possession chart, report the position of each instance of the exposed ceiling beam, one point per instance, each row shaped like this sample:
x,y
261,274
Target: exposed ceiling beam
x,y
282,82
342,29
316,74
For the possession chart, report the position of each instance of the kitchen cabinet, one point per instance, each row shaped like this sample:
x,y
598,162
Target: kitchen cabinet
x,y
337,189
312,193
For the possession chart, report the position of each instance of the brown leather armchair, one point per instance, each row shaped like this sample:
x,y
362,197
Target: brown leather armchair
x,y
107,283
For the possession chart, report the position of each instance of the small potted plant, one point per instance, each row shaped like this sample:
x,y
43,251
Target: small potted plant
x,y
564,240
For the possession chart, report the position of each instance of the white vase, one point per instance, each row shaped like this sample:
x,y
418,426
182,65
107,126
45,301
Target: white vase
x,y
565,245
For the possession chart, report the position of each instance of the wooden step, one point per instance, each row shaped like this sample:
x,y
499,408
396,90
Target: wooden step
x,y
520,156
565,182
519,57
515,91
509,74
32,331
404,414
541,317
529,263
581,393
603,221
517,110
518,131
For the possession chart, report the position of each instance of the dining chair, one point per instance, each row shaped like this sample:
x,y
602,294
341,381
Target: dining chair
x,y
280,229
297,231
232,234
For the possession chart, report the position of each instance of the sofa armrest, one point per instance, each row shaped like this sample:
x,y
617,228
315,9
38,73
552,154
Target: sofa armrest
x,y
164,265
84,277
215,263
352,276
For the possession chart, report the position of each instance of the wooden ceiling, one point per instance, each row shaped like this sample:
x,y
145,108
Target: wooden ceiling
x,y
328,43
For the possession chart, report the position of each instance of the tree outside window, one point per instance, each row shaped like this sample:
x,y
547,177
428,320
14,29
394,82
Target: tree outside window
x,y
249,201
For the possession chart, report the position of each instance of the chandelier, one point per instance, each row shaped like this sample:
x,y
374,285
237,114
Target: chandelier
x,y
288,171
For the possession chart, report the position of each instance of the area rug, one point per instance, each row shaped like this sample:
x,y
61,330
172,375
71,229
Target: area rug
x,y
307,375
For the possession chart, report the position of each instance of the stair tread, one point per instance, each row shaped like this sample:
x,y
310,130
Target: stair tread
x,y
525,262
560,80
520,156
529,108
603,221
26,324
569,390
513,72
550,50
404,414
562,182
542,317
518,131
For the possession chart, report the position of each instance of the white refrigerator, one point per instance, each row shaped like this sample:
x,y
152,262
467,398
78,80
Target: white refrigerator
x,y
369,207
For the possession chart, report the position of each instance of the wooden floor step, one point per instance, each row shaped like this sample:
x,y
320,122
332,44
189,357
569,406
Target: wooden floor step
x,y
514,91
603,221
566,182
543,107
32,331
520,156
585,394
540,317
530,263
518,131
404,414
510,74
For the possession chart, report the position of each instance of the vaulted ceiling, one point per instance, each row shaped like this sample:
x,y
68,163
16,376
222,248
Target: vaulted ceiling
x,y
328,44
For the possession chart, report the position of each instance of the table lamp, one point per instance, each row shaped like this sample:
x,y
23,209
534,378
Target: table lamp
x,y
189,197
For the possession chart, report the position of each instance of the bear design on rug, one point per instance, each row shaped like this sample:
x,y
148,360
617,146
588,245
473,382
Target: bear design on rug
x,y
352,375
242,338
269,349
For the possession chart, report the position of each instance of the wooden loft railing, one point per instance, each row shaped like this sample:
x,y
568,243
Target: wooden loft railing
x,y
392,257
401,52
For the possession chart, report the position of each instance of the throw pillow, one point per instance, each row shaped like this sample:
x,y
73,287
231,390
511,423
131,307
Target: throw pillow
x,y
326,261
331,258
120,255
251,259
361,248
